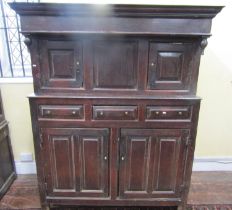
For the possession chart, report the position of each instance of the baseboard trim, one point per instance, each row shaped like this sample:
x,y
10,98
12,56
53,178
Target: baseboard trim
x,y
25,167
199,164
212,164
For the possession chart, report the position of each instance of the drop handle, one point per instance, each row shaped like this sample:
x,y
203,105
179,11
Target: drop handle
x,y
105,157
122,158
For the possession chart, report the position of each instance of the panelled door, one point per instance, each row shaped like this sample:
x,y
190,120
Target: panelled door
x,y
171,66
61,64
152,162
76,161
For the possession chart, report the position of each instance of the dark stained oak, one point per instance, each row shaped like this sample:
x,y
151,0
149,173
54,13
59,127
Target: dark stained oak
x,y
61,65
7,166
114,114
151,162
77,164
118,60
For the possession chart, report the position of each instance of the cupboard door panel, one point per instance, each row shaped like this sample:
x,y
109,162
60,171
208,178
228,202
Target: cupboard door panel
x,y
152,162
170,66
115,64
166,164
76,161
62,162
61,64
136,159
93,157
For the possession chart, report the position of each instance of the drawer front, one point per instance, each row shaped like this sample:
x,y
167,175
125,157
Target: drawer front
x,y
168,112
61,111
115,112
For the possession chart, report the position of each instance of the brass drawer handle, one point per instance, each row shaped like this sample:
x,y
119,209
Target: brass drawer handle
x,y
157,113
74,112
126,113
180,113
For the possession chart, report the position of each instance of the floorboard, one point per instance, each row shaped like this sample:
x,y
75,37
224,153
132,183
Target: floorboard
x,y
209,190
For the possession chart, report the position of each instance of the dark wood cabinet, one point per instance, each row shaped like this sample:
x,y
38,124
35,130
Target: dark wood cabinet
x,y
114,113
7,166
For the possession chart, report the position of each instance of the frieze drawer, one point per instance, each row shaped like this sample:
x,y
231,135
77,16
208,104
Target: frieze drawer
x,y
168,112
115,112
61,111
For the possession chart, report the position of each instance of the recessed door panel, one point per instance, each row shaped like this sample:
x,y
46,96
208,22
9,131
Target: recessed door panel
x,y
62,162
93,154
115,64
166,165
136,159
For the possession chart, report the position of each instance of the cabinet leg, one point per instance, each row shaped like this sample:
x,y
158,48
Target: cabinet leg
x,y
45,207
180,208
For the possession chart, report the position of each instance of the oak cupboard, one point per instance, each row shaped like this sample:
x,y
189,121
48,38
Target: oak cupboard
x,y
114,110
7,165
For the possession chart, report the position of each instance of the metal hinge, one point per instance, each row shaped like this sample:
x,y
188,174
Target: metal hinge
x,y
46,188
45,185
182,188
188,141
41,140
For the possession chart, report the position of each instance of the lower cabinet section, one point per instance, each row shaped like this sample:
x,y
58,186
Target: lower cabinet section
x,y
113,154
150,163
7,169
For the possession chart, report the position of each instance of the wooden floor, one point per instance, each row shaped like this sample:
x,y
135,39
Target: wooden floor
x,y
207,189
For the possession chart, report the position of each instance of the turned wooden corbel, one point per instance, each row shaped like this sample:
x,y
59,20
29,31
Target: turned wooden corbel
x,y
204,43
27,41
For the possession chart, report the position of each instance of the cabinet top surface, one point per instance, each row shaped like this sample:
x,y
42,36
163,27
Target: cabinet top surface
x,y
63,9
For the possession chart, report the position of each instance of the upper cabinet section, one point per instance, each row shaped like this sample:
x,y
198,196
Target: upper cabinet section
x,y
101,49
